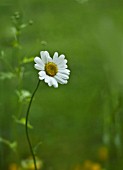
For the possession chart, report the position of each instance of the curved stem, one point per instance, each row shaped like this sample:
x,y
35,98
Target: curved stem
x,y
26,126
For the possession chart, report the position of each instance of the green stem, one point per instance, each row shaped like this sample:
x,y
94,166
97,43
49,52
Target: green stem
x,y
26,126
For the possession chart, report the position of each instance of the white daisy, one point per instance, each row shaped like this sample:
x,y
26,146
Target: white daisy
x,y
52,70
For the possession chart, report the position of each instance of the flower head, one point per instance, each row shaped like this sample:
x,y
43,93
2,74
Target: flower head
x,y
52,70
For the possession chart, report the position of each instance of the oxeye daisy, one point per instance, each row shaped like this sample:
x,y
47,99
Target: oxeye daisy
x,y
52,70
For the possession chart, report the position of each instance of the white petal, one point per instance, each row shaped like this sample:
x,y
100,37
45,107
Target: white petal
x,y
60,80
64,71
38,60
39,67
62,63
60,59
52,82
47,79
64,76
65,61
55,57
42,73
41,78
49,59
44,55
62,66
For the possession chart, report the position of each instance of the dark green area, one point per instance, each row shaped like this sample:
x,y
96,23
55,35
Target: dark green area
x,y
73,121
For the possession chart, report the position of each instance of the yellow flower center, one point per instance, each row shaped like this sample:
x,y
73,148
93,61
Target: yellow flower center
x,y
51,69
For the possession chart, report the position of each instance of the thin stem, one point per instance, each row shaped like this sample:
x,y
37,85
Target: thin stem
x,y
26,126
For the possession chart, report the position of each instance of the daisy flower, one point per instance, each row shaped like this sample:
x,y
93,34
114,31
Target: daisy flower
x,y
52,70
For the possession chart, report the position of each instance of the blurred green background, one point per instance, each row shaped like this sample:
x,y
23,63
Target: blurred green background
x,y
74,122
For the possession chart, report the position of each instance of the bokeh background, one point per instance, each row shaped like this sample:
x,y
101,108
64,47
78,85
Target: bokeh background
x,y
79,125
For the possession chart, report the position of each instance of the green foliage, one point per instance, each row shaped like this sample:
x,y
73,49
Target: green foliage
x,y
75,120
27,60
23,95
22,121
6,75
11,145
15,69
35,149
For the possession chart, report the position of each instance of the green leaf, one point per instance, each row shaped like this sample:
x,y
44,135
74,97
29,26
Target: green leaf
x,y
44,43
23,26
22,121
6,75
23,95
12,145
27,60
2,54
37,147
